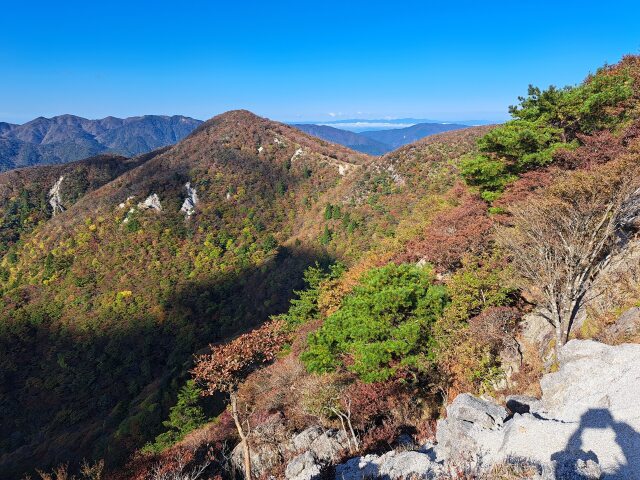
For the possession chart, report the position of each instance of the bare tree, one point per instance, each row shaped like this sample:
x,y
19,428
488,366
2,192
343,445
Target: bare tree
x,y
227,365
179,469
561,241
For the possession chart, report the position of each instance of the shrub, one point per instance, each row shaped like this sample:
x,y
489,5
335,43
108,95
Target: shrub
x,y
382,325
469,336
452,233
305,307
186,415
543,122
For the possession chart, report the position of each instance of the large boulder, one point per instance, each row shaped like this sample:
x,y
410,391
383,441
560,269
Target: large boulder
x,y
304,467
392,465
317,448
470,409
587,425
468,418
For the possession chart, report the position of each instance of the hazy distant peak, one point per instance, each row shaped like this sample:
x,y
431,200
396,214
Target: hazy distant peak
x,y
67,137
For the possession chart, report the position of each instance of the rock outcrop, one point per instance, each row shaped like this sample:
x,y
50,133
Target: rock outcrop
x,y
318,448
55,197
151,202
392,465
189,204
585,426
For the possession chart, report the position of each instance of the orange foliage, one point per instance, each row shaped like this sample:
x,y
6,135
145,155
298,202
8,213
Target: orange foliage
x,y
228,364
452,233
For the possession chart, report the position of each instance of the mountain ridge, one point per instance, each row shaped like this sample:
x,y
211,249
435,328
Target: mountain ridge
x,y
378,141
68,137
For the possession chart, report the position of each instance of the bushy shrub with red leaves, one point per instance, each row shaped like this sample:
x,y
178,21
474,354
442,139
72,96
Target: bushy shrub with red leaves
x,y
454,232
227,364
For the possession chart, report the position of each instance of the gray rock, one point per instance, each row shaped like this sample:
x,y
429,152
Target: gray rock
x,y
588,423
523,404
537,332
55,197
327,446
319,448
467,408
189,204
303,467
392,465
304,439
151,202
627,324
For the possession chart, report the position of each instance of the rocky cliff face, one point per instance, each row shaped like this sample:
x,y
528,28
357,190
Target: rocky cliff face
x,y
586,425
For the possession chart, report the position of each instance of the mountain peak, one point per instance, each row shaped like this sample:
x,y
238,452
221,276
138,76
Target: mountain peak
x,y
65,138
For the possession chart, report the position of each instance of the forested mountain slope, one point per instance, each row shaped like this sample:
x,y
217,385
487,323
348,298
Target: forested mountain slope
x,y
418,294
27,200
103,303
470,257
66,138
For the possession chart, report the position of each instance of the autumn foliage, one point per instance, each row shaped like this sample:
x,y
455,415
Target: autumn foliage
x,y
458,230
227,364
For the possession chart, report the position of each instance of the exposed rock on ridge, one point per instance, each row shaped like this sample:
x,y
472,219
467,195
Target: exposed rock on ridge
x,y
152,201
189,204
55,197
586,425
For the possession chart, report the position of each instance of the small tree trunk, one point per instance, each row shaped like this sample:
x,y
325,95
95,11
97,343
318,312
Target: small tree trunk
x,y
560,338
353,434
243,438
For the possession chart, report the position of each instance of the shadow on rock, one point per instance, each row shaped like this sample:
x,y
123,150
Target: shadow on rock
x,y
575,462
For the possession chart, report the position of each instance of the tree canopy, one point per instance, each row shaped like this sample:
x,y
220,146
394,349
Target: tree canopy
x,y
382,325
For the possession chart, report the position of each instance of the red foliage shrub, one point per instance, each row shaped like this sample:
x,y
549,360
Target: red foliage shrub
x,y
228,364
206,449
596,149
370,402
527,184
495,326
381,438
452,233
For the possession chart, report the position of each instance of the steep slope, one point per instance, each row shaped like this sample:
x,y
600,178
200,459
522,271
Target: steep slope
x,y
402,136
351,140
103,304
31,196
454,247
388,200
67,137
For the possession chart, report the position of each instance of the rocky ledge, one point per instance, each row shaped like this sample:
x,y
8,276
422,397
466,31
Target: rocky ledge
x,y
585,426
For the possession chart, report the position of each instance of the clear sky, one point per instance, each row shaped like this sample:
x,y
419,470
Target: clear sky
x,y
300,60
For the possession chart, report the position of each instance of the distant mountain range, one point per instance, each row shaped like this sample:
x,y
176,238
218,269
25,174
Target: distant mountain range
x,y
377,141
67,138
359,125
352,140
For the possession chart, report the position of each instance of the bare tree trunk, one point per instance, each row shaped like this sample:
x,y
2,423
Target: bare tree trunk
x,y
559,338
353,434
243,437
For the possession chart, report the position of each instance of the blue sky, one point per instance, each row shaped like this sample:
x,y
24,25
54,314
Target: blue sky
x,y
454,60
